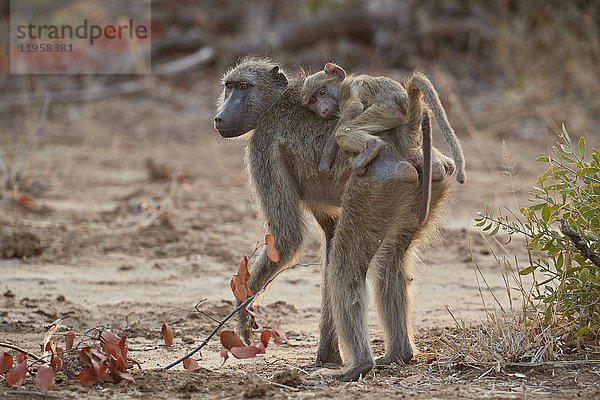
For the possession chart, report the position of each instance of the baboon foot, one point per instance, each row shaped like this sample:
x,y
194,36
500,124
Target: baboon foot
x,y
367,155
327,357
407,172
325,166
448,165
350,374
389,359
438,172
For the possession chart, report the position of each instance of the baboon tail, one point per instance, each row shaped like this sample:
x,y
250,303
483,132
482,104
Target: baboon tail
x,y
426,183
421,82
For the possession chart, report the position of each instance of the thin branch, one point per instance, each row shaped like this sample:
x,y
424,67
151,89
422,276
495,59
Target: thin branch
x,y
246,303
20,350
579,243
35,133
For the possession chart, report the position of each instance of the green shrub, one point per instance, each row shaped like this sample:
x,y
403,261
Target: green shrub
x,y
565,211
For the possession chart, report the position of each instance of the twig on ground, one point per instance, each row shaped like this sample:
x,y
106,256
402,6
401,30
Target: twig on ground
x,y
20,350
246,303
579,243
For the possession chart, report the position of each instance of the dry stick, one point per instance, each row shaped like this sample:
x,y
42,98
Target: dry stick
x,y
579,243
35,133
20,350
248,301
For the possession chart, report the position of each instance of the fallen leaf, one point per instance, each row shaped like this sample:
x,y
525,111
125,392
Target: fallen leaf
x,y
109,337
248,351
229,339
6,361
265,336
21,357
87,376
167,333
190,364
278,333
69,339
26,201
271,250
44,379
411,379
239,281
225,355
17,375
60,356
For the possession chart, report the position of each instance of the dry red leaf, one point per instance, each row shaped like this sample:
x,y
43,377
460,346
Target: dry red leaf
x,y
239,282
265,336
271,250
27,202
278,333
229,339
190,364
248,351
69,339
167,333
21,357
87,376
225,355
411,379
18,374
109,337
118,351
6,361
59,358
44,379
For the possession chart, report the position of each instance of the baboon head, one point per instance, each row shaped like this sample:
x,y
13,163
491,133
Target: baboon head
x,y
250,88
321,91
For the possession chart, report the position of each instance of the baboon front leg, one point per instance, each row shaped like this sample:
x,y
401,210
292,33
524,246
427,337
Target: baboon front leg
x,y
328,353
366,209
392,297
281,206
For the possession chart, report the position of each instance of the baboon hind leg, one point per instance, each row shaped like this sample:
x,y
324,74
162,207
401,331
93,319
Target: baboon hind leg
x,y
392,296
367,207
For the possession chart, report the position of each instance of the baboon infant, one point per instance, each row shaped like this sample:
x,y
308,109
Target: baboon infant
x,y
366,106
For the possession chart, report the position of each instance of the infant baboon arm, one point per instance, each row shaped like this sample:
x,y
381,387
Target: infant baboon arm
x,y
328,155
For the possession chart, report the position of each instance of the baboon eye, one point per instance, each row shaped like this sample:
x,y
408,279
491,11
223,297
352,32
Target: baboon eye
x,y
322,92
229,85
244,85
313,100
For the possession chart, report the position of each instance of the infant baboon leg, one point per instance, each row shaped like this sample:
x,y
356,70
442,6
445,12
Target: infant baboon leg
x,y
407,172
372,147
392,296
328,155
437,171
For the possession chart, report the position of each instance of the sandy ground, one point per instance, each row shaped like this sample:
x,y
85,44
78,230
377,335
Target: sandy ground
x,y
125,250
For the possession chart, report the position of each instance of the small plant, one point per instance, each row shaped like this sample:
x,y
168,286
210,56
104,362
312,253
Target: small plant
x,y
562,231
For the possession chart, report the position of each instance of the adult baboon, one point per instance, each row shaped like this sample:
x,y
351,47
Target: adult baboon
x,y
369,219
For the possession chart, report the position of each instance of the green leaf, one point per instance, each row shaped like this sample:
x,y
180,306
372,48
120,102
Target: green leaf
x,y
566,134
492,233
546,213
543,158
583,331
581,147
566,149
527,270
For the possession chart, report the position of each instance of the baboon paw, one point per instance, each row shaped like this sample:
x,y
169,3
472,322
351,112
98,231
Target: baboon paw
x,y
388,360
319,364
407,173
438,172
348,374
360,171
324,167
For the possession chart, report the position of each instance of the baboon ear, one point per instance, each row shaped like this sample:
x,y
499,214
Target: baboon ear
x,y
331,68
279,76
